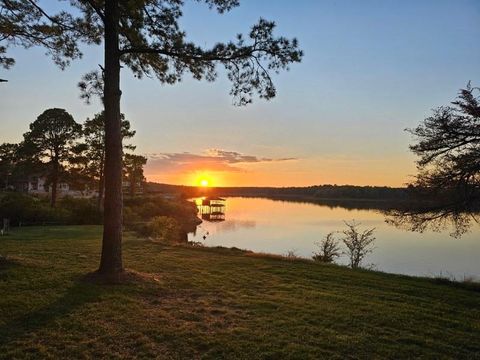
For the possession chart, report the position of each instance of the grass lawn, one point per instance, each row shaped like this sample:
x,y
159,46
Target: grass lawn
x,y
218,303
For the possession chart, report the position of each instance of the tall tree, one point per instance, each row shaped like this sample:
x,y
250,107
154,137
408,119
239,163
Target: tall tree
x,y
448,146
94,151
446,191
133,167
8,160
145,36
50,139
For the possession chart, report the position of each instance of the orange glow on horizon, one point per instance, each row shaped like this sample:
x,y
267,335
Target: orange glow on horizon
x,y
203,179
308,172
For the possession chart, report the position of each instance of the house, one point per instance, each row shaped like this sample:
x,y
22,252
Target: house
x,y
38,185
213,201
138,188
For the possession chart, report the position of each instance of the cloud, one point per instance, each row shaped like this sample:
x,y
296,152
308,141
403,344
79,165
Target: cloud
x,y
233,157
209,160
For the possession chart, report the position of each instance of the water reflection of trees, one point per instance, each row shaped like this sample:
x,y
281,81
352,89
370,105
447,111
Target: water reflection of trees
x,y
349,204
416,214
456,218
447,186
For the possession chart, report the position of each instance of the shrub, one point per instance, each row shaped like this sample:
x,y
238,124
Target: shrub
x,y
81,211
24,209
162,228
146,215
329,249
358,244
130,217
292,255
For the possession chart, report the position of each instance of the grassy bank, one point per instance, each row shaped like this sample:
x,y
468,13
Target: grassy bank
x,y
218,303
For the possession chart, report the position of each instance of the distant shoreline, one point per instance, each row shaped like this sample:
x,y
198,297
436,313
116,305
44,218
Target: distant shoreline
x,y
347,196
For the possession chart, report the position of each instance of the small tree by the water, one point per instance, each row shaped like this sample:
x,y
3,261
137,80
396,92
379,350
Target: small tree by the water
x,y
329,249
358,244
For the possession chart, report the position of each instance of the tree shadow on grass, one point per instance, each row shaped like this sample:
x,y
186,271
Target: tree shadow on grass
x,y
7,262
79,294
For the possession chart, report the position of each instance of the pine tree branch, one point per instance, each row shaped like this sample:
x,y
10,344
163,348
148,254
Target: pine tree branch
x,y
53,20
204,57
97,10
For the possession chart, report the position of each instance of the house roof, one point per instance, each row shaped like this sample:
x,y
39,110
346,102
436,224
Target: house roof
x,y
210,198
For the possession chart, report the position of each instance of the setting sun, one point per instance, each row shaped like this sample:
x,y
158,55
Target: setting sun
x,y
203,180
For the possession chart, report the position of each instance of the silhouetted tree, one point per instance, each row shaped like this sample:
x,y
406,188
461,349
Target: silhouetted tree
x,y
358,244
8,160
329,249
50,140
448,145
94,151
146,37
133,167
446,189
17,162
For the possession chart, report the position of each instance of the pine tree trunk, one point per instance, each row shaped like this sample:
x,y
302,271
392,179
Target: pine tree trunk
x,y
111,264
101,186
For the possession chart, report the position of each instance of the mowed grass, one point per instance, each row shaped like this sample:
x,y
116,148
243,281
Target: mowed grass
x,y
218,303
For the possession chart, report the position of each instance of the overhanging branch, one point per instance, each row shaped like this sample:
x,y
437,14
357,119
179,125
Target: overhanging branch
x,y
53,20
203,57
97,10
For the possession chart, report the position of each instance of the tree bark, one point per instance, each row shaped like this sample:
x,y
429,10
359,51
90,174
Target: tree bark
x,y
101,186
111,264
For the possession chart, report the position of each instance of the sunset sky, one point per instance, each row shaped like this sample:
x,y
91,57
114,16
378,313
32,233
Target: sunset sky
x,y
370,70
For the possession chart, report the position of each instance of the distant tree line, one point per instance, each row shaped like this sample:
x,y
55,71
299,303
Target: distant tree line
x,y
62,150
326,192
295,193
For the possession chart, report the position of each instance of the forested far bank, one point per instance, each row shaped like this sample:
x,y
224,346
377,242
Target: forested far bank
x,y
312,192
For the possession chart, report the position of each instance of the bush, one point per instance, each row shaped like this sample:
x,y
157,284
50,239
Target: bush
x,y
140,210
150,216
329,249
358,244
24,209
81,211
292,255
130,217
162,228
147,207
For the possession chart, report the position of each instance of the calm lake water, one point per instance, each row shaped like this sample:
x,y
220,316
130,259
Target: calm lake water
x,y
277,227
